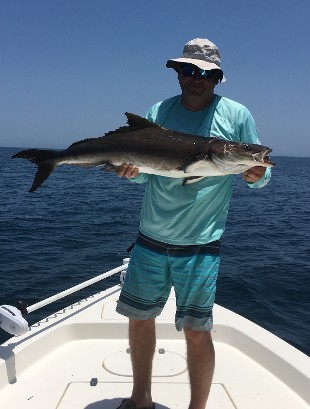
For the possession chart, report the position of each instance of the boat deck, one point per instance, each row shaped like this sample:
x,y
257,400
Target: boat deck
x,y
79,358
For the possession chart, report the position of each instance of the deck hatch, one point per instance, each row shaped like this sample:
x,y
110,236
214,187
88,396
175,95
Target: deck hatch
x,y
166,363
108,395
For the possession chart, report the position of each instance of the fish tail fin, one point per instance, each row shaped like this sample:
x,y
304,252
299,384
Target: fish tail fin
x,y
43,172
46,160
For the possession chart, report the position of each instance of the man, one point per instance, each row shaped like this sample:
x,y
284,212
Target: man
x,y
181,227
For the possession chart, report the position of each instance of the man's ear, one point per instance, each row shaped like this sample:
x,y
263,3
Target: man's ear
x,y
216,78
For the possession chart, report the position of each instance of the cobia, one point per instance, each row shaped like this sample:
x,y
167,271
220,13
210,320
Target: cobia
x,y
153,150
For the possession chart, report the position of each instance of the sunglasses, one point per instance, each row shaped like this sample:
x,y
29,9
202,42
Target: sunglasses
x,y
192,71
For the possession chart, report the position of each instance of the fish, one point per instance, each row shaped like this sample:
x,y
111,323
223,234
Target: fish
x,y
153,150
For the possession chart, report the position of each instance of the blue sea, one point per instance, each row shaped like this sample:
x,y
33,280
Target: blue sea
x,y
81,222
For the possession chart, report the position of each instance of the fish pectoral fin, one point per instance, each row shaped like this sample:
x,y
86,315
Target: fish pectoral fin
x,y
193,164
192,179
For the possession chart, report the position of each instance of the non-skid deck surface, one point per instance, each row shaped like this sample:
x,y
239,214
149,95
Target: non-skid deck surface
x,y
165,395
62,379
84,363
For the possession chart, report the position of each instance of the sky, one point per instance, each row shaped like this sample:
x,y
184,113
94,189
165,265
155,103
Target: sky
x,y
69,69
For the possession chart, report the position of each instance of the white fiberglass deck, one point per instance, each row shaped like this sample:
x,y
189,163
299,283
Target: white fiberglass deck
x,y
79,359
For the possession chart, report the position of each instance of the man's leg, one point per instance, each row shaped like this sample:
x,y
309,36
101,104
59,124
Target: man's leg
x,y
200,361
142,347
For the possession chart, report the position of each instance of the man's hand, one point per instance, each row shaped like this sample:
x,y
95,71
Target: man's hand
x,y
127,171
253,174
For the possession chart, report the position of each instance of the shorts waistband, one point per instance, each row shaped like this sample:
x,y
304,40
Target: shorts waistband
x,y
177,250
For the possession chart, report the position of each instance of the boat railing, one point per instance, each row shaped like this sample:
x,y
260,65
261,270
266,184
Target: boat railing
x,y
12,318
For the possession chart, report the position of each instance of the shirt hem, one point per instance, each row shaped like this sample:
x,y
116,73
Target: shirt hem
x,y
187,242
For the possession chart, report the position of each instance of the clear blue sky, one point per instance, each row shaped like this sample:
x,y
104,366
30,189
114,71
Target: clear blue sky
x,y
69,69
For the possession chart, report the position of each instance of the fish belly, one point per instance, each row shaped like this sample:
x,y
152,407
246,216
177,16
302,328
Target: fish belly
x,y
209,169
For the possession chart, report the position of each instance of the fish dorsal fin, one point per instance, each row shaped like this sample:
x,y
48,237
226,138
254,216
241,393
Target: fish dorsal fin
x,y
135,123
83,141
136,120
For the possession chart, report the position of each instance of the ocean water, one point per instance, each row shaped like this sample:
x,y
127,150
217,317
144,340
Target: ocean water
x,y
81,222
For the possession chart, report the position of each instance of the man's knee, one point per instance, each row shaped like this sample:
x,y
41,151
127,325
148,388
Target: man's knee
x,y
198,337
142,324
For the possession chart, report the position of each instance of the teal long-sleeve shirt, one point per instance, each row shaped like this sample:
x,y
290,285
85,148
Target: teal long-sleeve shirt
x,y
195,213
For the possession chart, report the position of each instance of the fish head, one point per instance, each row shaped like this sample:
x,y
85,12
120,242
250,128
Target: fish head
x,y
235,157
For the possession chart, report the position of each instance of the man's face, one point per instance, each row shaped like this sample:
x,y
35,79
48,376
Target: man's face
x,y
195,82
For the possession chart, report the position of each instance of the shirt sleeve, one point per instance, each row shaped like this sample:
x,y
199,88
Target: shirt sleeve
x,y
248,133
140,178
262,181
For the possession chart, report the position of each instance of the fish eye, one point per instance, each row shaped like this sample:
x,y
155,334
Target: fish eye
x,y
247,147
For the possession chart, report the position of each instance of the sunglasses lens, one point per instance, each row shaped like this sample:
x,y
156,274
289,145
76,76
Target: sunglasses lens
x,y
190,71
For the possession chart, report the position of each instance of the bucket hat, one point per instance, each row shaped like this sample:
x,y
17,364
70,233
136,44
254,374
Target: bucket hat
x,y
200,52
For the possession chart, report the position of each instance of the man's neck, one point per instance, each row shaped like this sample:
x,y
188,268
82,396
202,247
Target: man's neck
x,y
196,104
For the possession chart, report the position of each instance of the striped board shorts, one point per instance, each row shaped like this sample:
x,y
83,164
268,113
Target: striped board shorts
x,y
155,267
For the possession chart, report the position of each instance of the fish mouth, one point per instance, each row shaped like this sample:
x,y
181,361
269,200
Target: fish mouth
x,y
263,157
